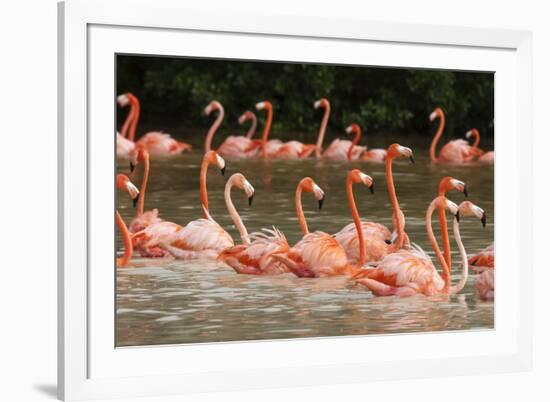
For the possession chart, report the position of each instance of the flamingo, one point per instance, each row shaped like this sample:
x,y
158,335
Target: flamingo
x,y
205,238
275,148
319,254
447,184
252,256
485,284
410,272
233,146
456,151
377,155
484,259
142,219
156,142
484,157
124,146
338,149
123,183
361,153
150,240
377,237
269,147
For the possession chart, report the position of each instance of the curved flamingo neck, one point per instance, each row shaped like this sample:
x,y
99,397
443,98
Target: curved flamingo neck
x,y
137,110
203,191
128,248
464,274
396,210
357,221
253,124
141,201
433,241
437,136
444,238
213,128
300,210
322,130
267,128
475,133
354,142
129,119
233,212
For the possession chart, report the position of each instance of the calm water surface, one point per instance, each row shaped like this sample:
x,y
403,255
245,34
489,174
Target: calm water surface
x,y
170,302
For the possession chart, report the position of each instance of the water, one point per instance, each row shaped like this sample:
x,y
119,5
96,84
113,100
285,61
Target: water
x,y
173,302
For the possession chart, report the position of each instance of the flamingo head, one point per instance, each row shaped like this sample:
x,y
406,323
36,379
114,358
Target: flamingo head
x,y
211,107
123,100
248,115
307,184
213,158
264,105
124,183
323,102
466,208
436,113
240,181
353,128
396,150
442,202
356,176
449,183
137,156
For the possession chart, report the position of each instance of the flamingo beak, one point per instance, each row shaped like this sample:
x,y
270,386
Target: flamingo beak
x,y
132,167
321,201
465,192
135,200
387,241
223,171
484,219
250,200
457,216
411,158
371,188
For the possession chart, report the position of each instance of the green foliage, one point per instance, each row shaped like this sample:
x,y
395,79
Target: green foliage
x,y
174,91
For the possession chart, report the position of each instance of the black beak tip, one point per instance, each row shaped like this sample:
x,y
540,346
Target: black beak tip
x,y
371,188
250,200
135,201
411,158
465,192
484,219
457,216
132,167
321,201
387,241
223,171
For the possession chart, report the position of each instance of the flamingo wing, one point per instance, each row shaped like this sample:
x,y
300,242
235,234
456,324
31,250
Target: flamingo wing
x,y
144,220
377,238
161,144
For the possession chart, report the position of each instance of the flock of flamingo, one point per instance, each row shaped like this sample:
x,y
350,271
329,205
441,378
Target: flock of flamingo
x,y
384,261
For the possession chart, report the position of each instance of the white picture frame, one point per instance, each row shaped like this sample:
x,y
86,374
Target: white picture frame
x,y
91,32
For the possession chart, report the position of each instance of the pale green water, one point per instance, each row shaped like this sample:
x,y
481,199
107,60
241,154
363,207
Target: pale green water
x,y
187,302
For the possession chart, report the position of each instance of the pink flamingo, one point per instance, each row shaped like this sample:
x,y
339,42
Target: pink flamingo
x,y
156,142
205,238
142,219
410,272
338,149
150,240
377,237
456,151
275,148
319,254
484,259
252,256
485,284
233,146
124,146
372,155
447,184
484,157
123,183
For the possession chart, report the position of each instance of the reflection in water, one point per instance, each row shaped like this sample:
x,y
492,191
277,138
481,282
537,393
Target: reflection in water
x,y
168,302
